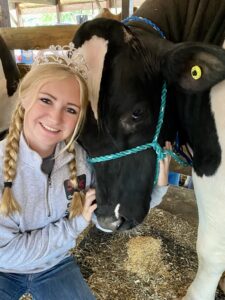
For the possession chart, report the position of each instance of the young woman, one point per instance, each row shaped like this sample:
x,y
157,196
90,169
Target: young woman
x,y
46,200
43,208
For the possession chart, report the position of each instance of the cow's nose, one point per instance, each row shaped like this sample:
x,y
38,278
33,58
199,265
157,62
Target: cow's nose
x,y
126,224
109,223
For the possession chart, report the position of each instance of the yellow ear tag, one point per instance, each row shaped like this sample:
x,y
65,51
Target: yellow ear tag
x,y
196,72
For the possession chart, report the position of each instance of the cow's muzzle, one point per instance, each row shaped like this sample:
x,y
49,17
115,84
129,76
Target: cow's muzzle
x,y
112,224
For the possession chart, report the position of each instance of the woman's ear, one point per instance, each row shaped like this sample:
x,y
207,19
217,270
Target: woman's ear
x,y
25,103
22,103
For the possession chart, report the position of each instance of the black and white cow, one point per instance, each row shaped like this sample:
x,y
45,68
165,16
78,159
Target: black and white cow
x,y
127,68
9,80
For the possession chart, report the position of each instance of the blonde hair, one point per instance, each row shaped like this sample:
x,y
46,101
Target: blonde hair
x,y
29,88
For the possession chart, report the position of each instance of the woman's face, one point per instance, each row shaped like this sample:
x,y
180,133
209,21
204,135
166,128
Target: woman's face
x,y
53,116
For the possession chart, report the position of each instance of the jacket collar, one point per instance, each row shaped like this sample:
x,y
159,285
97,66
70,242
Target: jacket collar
x,y
34,160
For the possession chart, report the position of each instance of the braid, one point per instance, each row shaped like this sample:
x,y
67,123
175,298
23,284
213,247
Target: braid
x,y
8,204
77,202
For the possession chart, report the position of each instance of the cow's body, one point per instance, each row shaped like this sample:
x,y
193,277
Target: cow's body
x,y
125,107
187,20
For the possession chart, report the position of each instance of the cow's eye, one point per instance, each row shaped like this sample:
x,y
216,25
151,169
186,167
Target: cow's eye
x,y
137,114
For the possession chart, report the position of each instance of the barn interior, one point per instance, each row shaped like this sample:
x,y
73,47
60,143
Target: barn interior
x,y
157,260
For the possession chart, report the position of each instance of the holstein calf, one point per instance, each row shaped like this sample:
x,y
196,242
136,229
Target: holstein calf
x,y
128,68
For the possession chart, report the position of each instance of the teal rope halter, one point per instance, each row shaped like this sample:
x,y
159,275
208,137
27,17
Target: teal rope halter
x,y
160,152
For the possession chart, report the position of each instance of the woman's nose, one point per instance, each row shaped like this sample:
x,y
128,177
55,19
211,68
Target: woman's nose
x,y
56,115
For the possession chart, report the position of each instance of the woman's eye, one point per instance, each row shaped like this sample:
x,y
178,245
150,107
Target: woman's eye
x,y
71,111
45,100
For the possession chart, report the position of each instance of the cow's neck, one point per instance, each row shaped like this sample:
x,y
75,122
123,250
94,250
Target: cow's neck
x,y
187,20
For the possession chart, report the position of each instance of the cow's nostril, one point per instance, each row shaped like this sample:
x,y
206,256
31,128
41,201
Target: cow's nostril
x,y
122,220
126,224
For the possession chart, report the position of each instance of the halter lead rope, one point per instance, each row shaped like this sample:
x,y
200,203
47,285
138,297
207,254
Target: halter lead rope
x,y
160,152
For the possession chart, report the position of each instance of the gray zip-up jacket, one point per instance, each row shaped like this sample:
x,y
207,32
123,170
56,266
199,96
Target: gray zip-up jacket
x,y
41,235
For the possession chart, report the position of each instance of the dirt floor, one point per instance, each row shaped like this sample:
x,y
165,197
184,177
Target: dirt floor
x,y
155,261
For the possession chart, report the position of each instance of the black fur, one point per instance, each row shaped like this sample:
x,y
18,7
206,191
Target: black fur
x,y
10,68
131,84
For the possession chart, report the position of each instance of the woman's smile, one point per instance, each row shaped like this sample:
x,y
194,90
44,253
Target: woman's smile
x,y
53,116
48,128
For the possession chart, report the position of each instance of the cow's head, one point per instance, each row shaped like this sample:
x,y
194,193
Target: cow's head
x,y
125,82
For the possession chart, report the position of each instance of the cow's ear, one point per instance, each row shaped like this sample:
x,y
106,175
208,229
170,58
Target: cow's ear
x,y
95,39
110,30
194,66
94,51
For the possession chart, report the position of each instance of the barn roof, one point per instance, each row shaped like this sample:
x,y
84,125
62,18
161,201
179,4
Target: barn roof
x,y
28,4
24,7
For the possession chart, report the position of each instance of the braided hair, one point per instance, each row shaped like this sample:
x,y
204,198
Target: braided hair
x,y
28,90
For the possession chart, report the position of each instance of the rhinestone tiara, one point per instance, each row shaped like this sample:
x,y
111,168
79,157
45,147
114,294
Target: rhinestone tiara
x,y
66,55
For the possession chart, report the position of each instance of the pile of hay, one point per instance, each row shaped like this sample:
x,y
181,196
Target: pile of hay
x,y
155,261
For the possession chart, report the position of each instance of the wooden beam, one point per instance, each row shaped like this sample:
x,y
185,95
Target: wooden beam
x,y
40,37
45,2
4,14
64,7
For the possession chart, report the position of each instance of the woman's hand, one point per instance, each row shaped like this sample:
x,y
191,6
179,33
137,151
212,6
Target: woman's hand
x,y
89,206
164,165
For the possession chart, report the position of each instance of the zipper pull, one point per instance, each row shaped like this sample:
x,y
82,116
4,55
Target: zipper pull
x,y
49,181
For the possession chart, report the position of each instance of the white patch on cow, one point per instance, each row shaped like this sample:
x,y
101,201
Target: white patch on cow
x,y
7,104
94,51
127,36
218,109
210,195
223,46
116,211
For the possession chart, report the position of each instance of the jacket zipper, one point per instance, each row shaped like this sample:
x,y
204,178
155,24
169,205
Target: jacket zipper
x,y
49,184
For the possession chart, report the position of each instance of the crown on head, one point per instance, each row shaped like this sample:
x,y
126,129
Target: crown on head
x,y
66,55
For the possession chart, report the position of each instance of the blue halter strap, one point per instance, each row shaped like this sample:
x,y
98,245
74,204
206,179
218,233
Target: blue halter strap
x,y
146,21
160,152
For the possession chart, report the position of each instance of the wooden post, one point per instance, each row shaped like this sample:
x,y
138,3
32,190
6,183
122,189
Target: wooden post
x,y
98,5
115,6
19,15
108,4
4,14
127,8
58,11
